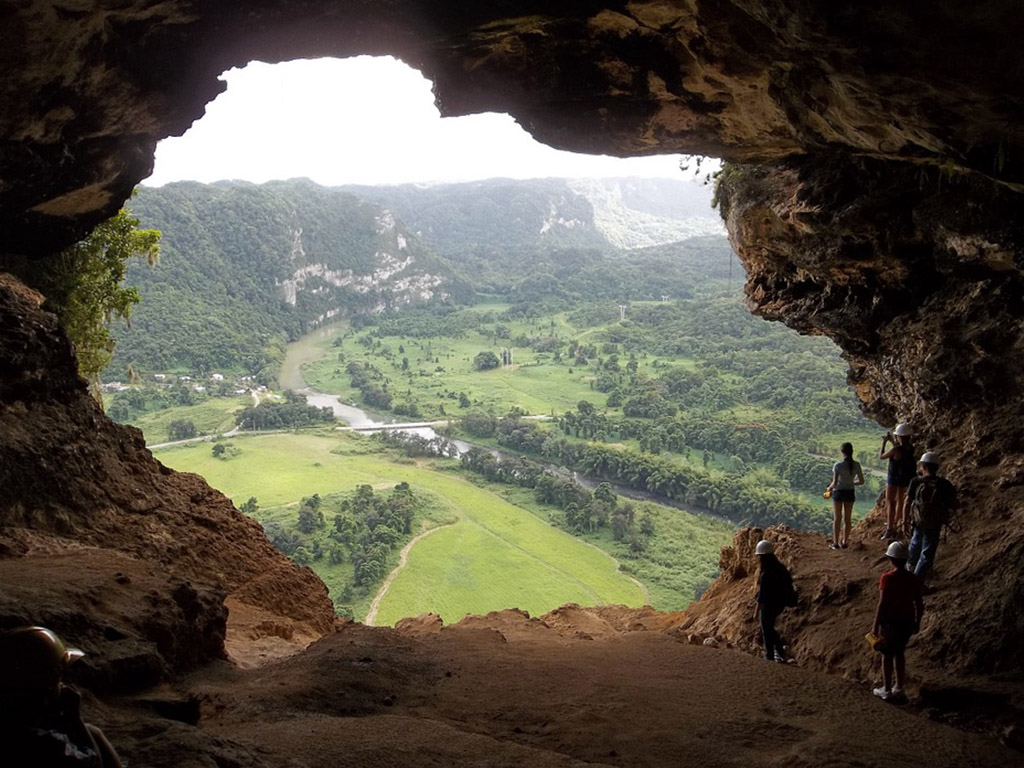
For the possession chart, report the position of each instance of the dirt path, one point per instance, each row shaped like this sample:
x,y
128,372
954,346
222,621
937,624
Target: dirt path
x,y
371,615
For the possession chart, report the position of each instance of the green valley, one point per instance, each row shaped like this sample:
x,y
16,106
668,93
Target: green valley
x,y
490,554
622,409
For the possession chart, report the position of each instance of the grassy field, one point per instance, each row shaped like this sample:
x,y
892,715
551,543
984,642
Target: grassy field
x,y
495,555
681,559
442,366
211,417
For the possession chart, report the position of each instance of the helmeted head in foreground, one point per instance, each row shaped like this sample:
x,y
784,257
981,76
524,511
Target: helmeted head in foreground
x,y
33,660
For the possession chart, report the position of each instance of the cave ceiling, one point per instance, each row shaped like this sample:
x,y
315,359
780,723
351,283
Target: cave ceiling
x,y
90,87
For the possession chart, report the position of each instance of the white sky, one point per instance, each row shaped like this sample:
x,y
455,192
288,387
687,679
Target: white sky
x,y
363,120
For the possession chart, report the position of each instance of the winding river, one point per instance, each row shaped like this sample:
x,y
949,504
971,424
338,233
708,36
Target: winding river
x,y
308,350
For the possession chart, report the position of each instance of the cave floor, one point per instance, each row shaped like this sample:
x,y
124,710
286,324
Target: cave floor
x,y
505,690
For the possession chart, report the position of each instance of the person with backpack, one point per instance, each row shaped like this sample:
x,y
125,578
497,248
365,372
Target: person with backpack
x,y
900,472
846,475
897,617
929,506
774,594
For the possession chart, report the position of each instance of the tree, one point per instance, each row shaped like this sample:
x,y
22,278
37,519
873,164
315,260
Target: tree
x,y
219,450
486,360
181,429
310,516
250,507
82,285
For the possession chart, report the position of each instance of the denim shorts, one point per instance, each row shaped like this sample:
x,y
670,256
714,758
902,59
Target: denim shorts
x,y
844,494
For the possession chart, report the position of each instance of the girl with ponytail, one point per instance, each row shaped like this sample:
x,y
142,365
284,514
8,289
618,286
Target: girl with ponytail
x,y
846,475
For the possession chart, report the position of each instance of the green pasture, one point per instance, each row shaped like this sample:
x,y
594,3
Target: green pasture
x,y
535,382
681,558
496,555
211,417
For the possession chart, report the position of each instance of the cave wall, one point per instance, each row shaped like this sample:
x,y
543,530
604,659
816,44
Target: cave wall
x,y
99,540
873,196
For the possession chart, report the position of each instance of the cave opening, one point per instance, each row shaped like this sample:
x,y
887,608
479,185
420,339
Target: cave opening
x,y
362,123
875,200
369,120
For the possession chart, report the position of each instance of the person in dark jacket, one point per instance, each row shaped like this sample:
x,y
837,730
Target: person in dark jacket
x,y
929,505
774,593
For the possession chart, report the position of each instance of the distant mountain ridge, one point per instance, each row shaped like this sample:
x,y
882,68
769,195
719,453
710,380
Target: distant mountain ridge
x,y
640,213
245,267
550,213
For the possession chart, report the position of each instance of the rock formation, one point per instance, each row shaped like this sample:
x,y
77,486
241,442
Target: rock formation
x,y
131,559
874,196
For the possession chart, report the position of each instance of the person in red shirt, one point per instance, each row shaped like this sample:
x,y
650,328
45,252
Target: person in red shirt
x,y
897,617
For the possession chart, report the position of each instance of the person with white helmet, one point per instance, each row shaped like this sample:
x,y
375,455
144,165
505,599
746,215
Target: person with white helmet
x,y
897,617
929,505
900,472
775,593
40,717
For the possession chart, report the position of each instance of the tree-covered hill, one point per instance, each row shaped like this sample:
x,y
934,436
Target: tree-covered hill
x,y
497,215
244,267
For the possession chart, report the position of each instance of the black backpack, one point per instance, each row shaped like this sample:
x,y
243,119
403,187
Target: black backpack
x,y
931,507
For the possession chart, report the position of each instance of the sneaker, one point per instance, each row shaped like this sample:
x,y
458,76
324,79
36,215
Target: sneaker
x,y
843,545
881,693
780,657
898,694
888,533
833,545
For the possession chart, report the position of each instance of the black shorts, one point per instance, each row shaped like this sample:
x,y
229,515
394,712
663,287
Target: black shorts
x,y
844,494
896,637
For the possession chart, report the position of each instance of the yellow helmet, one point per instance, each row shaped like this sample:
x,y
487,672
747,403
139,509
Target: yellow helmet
x,y
33,659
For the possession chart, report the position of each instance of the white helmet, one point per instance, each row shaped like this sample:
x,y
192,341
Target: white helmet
x,y
929,458
764,548
897,550
903,430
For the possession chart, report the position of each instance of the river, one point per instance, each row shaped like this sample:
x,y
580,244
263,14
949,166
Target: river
x,y
310,348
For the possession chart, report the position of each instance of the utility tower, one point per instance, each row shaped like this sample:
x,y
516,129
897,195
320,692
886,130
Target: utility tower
x,y
664,298
622,311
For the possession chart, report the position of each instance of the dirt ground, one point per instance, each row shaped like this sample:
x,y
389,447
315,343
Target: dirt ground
x,y
507,690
